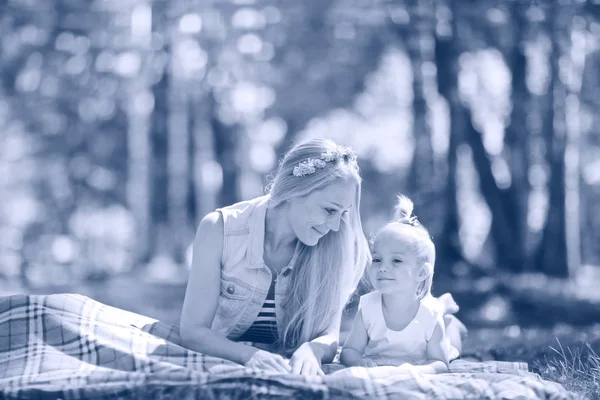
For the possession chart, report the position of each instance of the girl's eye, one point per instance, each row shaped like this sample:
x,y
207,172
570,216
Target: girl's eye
x,y
397,260
376,260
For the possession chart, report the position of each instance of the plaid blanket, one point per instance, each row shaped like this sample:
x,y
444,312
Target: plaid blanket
x,y
69,346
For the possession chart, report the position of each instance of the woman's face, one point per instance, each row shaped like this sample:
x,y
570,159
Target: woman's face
x,y
314,215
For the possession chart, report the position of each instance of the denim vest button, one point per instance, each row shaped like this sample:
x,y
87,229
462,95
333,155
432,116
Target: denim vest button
x,y
230,289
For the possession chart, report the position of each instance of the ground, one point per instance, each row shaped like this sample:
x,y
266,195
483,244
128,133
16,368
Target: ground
x,y
553,326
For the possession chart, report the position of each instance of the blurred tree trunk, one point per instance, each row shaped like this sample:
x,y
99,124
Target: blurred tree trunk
x,y
206,179
139,146
420,42
446,56
178,151
516,138
551,256
226,137
160,134
590,192
577,50
206,171
559,250
507,253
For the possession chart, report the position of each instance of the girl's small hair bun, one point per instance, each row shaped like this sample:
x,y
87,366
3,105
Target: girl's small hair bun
x,y
403,209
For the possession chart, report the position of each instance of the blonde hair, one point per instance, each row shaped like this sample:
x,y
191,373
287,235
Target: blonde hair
x,y
325,275
420,242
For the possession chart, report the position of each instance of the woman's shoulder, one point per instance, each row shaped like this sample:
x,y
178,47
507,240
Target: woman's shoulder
x,y
241,210
240,206
210,230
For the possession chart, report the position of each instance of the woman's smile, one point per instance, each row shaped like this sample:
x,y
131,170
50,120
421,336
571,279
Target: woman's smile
x,y
318,231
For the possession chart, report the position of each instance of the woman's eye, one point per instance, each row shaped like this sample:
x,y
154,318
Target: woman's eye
x,y
397,260
330,211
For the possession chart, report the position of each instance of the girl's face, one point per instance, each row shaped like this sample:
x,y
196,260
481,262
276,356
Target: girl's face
x,y
314,215
394,268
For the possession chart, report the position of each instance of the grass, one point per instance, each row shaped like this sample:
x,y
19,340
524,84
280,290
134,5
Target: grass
x,y
565,354
578,370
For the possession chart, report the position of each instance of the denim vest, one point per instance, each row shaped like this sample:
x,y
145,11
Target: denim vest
x,y
245,278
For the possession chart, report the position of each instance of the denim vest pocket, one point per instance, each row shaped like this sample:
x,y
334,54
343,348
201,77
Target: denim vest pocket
x,y
234,296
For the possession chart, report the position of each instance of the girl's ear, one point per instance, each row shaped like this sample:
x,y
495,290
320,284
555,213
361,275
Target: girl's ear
x,y
424,272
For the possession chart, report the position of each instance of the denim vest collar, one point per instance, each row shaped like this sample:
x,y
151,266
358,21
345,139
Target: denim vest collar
x,y
257,235
256,247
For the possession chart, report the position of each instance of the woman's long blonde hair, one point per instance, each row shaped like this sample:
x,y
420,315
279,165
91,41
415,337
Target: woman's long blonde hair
x,y
325,275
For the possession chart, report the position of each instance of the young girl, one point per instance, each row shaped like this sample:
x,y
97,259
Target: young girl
x,y
401,323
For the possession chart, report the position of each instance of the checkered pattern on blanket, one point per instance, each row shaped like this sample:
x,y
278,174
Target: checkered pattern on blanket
x,y
72,347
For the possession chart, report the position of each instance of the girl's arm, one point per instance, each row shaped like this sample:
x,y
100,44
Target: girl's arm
x,y
352,352
201,299
438,352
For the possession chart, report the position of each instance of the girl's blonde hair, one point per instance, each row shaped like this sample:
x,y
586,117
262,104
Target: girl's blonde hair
x,y
420,242
325,275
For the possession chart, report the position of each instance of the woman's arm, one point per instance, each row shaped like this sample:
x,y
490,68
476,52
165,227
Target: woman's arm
x,y
325,346
352,352
202,295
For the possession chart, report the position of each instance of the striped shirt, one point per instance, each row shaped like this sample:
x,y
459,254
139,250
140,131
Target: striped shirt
x,y
264,328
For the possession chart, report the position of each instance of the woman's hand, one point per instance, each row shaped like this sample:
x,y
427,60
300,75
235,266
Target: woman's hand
x,y
305,362
267,361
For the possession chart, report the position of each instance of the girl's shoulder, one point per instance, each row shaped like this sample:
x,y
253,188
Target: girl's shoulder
x,y
370,299
430,312
431,306
370,309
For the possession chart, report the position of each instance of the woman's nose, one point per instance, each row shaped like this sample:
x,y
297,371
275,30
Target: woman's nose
x,y
334,223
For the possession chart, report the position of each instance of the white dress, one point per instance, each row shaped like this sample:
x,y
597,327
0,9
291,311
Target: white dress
x,y
389,347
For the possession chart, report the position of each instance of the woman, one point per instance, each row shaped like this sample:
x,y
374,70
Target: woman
x,y
277,270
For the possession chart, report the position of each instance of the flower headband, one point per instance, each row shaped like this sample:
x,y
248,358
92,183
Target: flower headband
x,y
310,165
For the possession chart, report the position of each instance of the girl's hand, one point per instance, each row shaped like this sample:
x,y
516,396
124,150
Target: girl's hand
x,y
407,367
368,363
449,304
266,361
305,362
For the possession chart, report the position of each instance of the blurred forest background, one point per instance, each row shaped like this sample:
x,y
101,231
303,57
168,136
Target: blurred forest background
x,y
123,122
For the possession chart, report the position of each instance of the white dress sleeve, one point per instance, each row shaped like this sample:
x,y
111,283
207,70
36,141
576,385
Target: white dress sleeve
x,y
431,315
